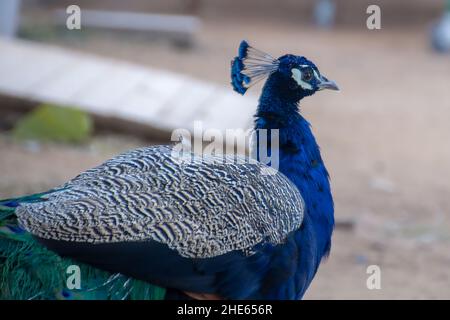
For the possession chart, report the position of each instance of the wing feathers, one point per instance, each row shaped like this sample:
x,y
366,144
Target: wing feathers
x,y
200,209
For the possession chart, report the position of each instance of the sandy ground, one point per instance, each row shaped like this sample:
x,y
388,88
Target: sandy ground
x,y
385,139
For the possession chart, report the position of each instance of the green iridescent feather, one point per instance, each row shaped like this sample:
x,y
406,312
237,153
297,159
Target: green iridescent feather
x,y
29,271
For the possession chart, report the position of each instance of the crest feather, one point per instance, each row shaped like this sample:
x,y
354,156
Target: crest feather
x,y
250,66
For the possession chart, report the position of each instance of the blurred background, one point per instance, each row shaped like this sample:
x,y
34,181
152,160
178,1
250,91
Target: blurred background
x,y
70,99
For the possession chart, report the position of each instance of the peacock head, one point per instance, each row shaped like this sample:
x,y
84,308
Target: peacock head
x,y
291,76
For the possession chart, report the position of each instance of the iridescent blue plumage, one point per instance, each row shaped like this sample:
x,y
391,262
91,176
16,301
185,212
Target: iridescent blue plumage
x,y
300,160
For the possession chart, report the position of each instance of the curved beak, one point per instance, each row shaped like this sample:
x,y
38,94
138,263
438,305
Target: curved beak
x,y
327,84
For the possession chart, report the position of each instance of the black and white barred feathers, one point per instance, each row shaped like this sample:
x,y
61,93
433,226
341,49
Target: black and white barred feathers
x,y
202,208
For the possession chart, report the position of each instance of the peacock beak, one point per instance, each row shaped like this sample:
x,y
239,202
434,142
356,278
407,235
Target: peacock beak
x,y
327,84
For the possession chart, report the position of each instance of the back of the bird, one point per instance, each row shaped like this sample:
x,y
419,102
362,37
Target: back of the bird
x,y
29,271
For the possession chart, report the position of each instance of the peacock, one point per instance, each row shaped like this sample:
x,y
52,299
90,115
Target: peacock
x,y
148,224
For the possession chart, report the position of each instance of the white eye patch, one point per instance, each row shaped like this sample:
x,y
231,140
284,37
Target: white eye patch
x,y
297,76
316,75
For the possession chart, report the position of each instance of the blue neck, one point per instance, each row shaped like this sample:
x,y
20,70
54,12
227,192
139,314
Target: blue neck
x,y
299,159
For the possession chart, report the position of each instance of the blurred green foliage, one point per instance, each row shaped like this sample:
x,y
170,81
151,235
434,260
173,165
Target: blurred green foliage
x,y
54,123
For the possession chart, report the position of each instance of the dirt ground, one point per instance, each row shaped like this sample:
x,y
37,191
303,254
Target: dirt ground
x,y
384,137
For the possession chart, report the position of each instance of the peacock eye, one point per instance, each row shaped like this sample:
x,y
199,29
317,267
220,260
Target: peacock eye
x,y
307,74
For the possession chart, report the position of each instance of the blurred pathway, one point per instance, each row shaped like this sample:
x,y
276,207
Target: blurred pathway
x,y
140,96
